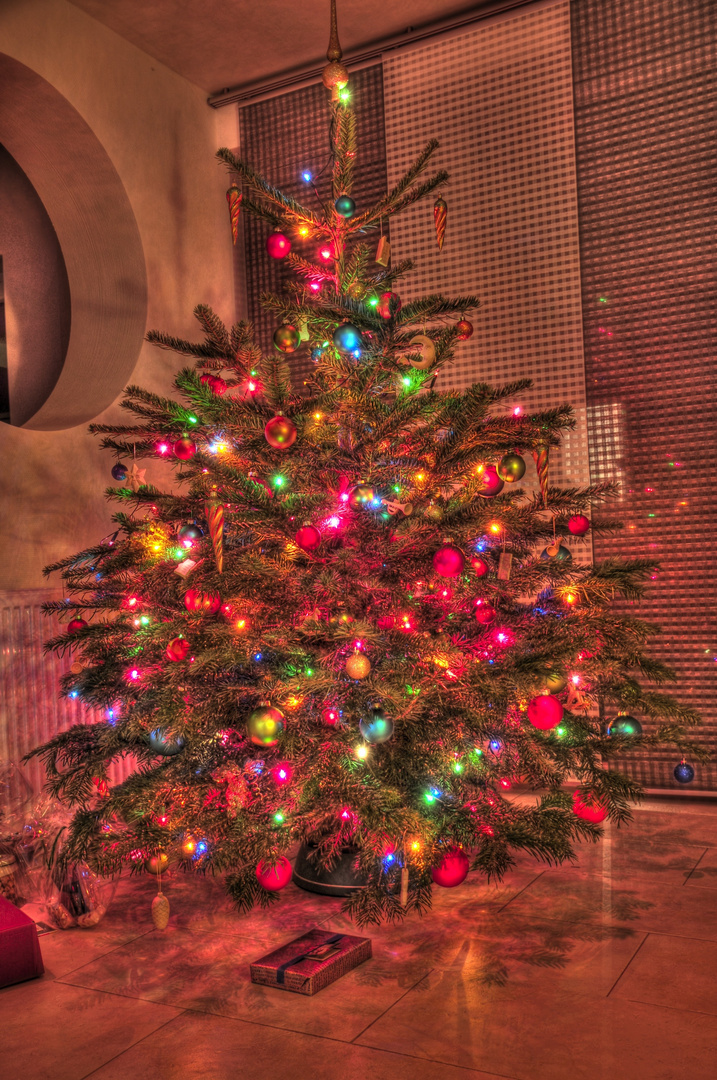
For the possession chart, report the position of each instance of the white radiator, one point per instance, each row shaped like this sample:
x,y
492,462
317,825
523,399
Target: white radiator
x,y
31,709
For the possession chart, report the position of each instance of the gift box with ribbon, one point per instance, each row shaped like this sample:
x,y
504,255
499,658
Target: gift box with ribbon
x,y
309,963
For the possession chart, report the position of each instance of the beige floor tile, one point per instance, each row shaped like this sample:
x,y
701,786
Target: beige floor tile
x,y
643,903
685,966
51,1031
704,875
65,950
210,973
195,1047
455,1018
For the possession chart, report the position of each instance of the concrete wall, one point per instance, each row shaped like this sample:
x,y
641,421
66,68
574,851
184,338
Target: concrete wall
x,y
159,137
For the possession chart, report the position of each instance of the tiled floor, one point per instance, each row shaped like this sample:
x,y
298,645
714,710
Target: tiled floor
x,y
604,971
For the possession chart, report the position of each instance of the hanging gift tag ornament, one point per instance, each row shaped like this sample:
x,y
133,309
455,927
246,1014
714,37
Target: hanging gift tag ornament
x,y
423,344
505,564
383,252
214,512
234,197
440,217
403,898
303,330
186,566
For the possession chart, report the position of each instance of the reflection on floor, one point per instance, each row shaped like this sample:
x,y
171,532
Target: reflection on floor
x,y
603,971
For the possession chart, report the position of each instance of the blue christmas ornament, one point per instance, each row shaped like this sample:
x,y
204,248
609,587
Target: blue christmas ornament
x,y
377,727
316,353
119,471
163,746
345,206
188,533
683,773
624,725
347,337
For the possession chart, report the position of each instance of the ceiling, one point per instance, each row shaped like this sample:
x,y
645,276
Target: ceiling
x,y
218,44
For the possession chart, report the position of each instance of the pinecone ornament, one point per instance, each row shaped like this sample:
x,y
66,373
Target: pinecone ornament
x,y
160,911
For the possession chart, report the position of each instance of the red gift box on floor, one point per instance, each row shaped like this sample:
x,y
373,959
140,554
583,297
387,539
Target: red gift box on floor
x,y
20,956
309,963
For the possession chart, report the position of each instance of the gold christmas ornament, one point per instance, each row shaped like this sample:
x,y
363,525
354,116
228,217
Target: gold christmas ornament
x,y
335,75
160,911
358,666
157,864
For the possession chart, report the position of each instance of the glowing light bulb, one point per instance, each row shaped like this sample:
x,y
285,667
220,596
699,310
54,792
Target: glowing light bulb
x,y
495,527
189,846
307,177
279,817
415,846
361,752
162,448
315,286
333,522
325,253
132,601
240,624
346,814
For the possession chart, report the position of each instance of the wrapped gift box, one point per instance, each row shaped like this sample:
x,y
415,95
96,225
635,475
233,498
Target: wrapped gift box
x,y
20,956
309,963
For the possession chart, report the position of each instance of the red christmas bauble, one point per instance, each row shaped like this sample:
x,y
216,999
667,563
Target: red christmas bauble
x,y
485,613
278,245
449,561
588,809
452,869
218,386
178,649
280,433
184,448
330,715
267,487
388,305
308,537
491,483
480,566
579,524
275,877
545,711
465,329
386,622
206,603
75,624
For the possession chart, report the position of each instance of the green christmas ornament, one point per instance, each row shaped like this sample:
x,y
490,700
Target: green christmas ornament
x,y
624,725
376,727
265,725
344,206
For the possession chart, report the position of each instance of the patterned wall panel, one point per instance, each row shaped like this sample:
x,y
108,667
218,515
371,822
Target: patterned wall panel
x,y
284,136
645,96
498,96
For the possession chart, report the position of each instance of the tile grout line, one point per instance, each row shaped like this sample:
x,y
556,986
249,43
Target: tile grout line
x,y
389,1007
131,941
627,965
695,866
139,1042
437,1061
519,893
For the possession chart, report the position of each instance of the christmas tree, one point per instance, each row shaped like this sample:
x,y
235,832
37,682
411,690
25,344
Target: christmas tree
x,y
346,622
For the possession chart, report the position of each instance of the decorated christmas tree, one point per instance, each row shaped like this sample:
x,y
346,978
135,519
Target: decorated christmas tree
x,y
346,623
